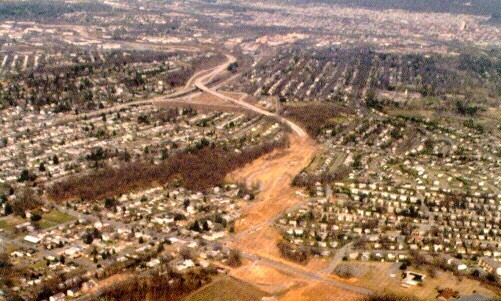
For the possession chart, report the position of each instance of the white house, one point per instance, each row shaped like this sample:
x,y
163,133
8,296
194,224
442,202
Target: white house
x,y
32,239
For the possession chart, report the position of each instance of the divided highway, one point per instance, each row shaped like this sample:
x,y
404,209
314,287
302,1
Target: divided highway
x,y
202,81
198,81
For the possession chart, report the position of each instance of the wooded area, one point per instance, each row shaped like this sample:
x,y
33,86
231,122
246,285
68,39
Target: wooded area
x,y
197,169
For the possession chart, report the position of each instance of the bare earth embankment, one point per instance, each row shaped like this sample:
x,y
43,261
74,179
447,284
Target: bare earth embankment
x,y
255,232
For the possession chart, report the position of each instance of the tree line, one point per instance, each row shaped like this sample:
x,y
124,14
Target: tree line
x,y
196,169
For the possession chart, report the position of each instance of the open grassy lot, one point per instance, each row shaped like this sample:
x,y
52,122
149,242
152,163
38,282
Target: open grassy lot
x,y
227,289
4,188
55,217
376,276
8,248
8,223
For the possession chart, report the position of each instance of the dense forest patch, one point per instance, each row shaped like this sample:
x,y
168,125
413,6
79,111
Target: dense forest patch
x,y
196,170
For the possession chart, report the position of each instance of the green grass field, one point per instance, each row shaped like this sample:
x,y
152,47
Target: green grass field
x,y
8,223
54,218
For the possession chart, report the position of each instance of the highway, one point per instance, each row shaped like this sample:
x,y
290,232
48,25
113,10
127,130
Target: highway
x,y
198,81
188,89
201,82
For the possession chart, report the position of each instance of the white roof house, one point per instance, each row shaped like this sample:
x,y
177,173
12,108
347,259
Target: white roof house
x,y
32,239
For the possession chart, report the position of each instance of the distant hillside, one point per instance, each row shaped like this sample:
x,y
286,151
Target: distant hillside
x,y
38,10
495,18
473,7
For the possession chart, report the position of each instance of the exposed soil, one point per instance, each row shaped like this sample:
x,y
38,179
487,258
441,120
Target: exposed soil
x,y
274,173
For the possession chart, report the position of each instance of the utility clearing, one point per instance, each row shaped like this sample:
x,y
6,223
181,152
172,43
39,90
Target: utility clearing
x,y
255,233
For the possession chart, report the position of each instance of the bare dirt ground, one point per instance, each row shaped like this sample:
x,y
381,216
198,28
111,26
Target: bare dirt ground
x,y
242,96
266,278
201,102
236,95
314,291
377,278
288,287
274,173
207,98
255,232
227,288
110,281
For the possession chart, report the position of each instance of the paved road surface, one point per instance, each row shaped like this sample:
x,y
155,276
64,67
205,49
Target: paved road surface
x,y
200,83
188,89
308,275
297,129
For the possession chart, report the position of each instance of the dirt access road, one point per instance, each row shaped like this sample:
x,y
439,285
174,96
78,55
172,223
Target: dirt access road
x,y
274,173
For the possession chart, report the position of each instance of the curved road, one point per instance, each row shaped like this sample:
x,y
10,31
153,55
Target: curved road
x,y
200,83
187,89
